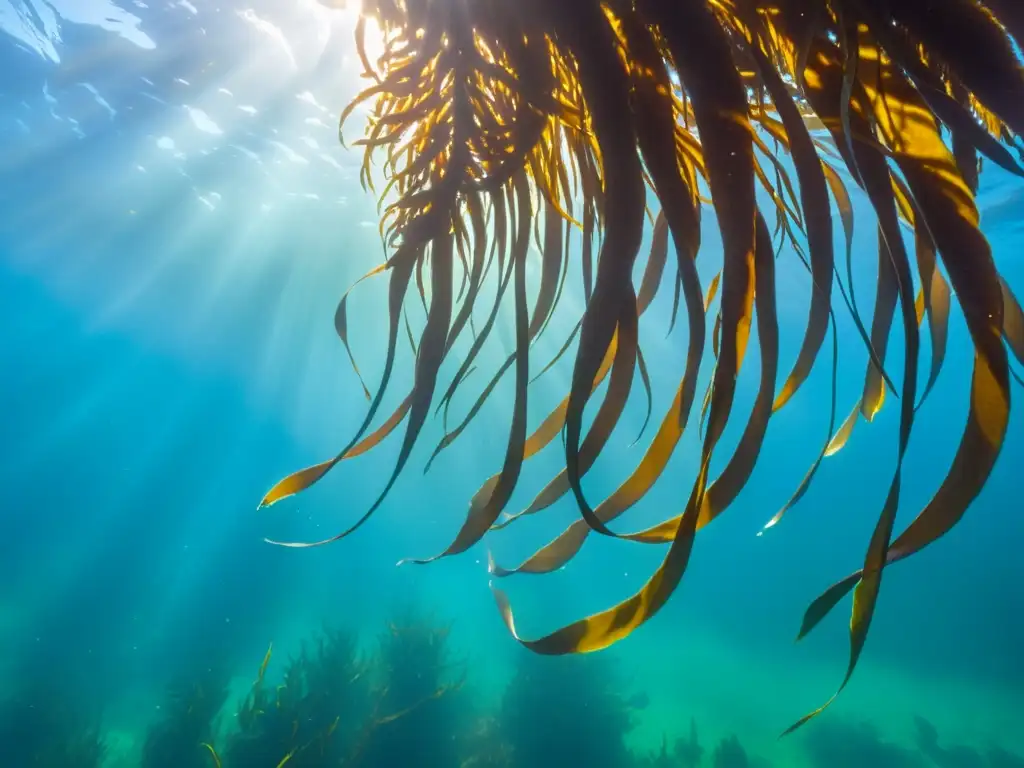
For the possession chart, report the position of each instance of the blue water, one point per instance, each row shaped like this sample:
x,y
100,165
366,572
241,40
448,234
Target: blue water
x,y
177,223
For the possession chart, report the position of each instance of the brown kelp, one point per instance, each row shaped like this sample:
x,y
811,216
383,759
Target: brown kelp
x,y
496,121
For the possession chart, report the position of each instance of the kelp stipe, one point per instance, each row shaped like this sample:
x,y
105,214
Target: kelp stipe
x,y
495,118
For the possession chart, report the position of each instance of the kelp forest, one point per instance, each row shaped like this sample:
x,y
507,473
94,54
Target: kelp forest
x,y
404,698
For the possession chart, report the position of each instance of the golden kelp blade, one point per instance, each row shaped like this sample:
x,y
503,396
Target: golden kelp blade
x,y
496,121
482,517
1013,322
563,548
603,629
213,754
945,202
304,478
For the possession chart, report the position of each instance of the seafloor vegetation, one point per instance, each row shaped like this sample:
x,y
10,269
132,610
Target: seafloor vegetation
x,y
405,700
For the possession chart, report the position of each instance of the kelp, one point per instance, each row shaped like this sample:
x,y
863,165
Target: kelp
x,y
496,121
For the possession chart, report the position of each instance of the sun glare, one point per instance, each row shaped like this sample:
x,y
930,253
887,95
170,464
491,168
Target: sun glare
x,y
373,39
351,11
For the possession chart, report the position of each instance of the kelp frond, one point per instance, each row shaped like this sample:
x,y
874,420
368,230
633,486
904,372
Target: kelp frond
x,y
500,121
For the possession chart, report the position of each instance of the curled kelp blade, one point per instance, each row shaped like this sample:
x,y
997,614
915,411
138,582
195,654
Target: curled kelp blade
x,y
831,79
615,398
945,203
606,87
720,114
738,470
815,201
973,462
620,381
564,547
544,433
721,103
341,325
674,179
303,479
602,111
481,517
805,483
935,303
431,353
523,208
602,629
835,102
401,267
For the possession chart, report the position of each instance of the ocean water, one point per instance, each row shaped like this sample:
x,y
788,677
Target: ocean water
x,y
177,223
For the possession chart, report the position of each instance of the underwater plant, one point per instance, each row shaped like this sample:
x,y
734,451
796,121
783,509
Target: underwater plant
x,y
661,759
499,121
572,712
957,756
416,713
187,721
311,717
335,706
960,755
40,727
854,745
730,753
686,752
482,745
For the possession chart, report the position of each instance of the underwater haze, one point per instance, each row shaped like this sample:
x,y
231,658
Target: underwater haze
x,y
178,220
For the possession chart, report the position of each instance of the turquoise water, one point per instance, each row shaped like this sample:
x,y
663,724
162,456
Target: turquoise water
x,y
177,223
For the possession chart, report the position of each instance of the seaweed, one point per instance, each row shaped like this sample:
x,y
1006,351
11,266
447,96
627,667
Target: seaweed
x,y
849,745
960,755
581,115
846,745
482,745
310,718
186,722
334,706
660,759
41,726
686,752
957,756
416,701
730,754
566,711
